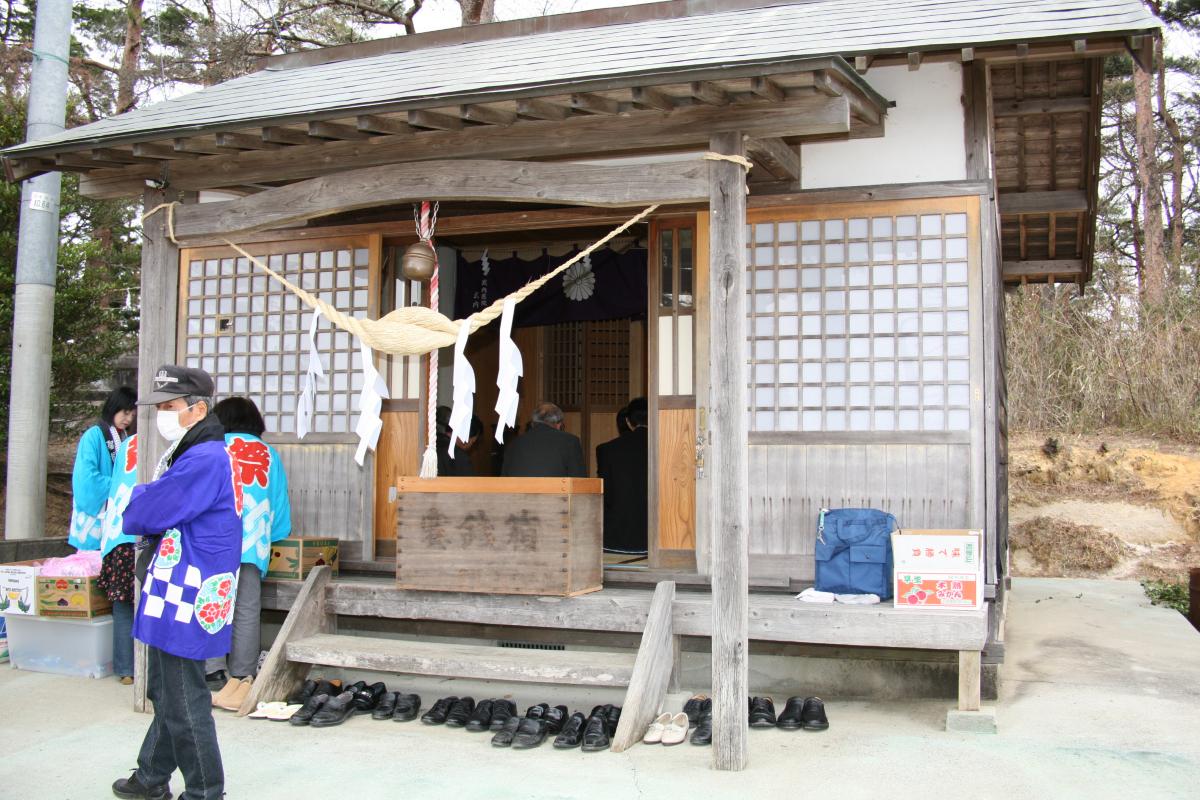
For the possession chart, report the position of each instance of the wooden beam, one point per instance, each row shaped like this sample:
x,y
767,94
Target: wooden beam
x,y
487,115
199,145
1058,105
373,124
113,155
768,89
594,104
651,670
279,135
775,156
243,141
862,64
825,85
434,120
649,97
914,62
709,93
335,132
542,109
83,161
160,151
19,169
308,616
690,126
1064,200
968,55
1080,46
1063,267
536,182
728,455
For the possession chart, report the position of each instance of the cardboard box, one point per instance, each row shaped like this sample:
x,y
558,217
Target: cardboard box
x,y
18,587
71,598
940,569
293,558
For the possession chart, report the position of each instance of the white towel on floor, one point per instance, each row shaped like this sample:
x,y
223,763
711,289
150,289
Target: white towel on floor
x,y
857,599
811,595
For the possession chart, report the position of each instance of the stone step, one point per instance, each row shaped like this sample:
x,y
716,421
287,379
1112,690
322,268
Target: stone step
x,y
480,662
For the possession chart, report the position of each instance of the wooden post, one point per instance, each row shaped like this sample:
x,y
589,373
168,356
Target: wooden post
x,y
727,423
651,670
159,309
969,674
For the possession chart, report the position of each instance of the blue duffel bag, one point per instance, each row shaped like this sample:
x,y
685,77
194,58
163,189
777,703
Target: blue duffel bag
x,y
854,551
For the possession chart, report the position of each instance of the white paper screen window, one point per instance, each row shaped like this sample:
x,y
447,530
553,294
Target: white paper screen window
x,y
859,323
251,334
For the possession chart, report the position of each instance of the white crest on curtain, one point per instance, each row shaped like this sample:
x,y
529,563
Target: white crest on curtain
x,y
510,372
370,404
306,402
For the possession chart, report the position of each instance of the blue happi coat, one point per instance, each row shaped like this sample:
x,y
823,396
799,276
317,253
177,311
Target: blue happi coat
x,y
89,488
266,513
120,489
186,607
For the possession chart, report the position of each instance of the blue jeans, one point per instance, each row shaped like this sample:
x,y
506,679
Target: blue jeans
x,y
122,638
182,734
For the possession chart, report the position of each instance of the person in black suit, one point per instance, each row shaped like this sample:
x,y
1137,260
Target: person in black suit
x,y
545,450
622,465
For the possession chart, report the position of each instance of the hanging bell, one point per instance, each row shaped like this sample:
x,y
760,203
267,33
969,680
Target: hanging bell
x,y
418,261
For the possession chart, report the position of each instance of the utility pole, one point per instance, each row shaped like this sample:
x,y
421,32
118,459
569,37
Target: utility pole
x,y
33,301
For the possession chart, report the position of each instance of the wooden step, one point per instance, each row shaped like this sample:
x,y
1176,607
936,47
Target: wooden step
x,y
482,662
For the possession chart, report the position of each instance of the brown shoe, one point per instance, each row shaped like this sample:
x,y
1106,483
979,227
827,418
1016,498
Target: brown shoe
x,y
236,696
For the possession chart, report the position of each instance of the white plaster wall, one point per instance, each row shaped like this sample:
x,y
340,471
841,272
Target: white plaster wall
x,y
923,139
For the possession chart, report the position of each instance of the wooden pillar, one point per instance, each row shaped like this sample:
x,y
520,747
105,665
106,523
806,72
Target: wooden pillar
x,y
727,423
969,677
158,315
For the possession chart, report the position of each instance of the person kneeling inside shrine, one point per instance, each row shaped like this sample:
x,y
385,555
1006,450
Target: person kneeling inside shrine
x,y
190,514
266,518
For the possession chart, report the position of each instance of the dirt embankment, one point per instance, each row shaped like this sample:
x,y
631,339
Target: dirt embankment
x,y
1096,506
60,461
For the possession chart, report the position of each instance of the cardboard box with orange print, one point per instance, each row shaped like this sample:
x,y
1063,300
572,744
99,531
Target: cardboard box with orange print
x,y
293,558
71,598
940,569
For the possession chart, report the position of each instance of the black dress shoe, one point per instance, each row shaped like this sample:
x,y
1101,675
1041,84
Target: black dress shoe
x,y
555,718
702,735
813,718
504,736
386,706
530,733
131,787
502,712
571,734
407,707
304,714
460,711
367,698
481,718
595,734
611,718
693,708
353,688
536,712
216,680
325,687
762,713
301,695
335,711
789,718
437,714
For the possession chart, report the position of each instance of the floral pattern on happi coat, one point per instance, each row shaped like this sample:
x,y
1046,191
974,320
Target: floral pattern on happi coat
x,y
170,549
214,602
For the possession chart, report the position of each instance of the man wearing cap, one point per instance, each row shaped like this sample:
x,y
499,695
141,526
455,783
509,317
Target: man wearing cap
x,y
190,519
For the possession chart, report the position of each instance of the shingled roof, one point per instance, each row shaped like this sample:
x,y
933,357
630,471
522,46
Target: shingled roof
x,y
415,76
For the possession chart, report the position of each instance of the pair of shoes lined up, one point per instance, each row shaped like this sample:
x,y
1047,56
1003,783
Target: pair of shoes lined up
x,y
806,713
322,705
672,729
698,710
464,712
592,733
233,693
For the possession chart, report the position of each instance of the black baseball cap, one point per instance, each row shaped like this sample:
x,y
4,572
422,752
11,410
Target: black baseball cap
x,y
171,381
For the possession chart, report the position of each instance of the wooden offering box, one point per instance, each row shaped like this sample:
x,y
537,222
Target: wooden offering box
x,y
500,535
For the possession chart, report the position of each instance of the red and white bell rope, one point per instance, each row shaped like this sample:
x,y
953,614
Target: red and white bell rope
x,y
426,219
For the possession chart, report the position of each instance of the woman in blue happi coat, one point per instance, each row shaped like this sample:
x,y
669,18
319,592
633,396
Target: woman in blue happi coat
x,y
94,459
266,518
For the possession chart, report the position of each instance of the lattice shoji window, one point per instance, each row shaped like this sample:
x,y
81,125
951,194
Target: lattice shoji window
x,y
673,280
251,334
607,362
564,365
860,320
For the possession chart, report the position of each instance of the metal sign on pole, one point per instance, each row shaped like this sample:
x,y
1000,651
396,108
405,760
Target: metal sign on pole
x,y
33,300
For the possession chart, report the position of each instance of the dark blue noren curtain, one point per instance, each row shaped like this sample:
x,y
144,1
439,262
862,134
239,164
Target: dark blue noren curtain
x,y
608,286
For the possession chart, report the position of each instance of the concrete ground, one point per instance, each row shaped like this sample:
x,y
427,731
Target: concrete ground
x,y
1100,698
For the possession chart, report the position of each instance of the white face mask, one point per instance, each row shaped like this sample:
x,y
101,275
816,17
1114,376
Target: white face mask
x,y
168,425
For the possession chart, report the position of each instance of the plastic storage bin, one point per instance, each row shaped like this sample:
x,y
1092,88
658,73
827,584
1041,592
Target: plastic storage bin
x,y
80,647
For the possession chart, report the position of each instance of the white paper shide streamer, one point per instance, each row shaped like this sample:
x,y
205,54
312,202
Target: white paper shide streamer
x,y
509,374
370,404
306,402
464,391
